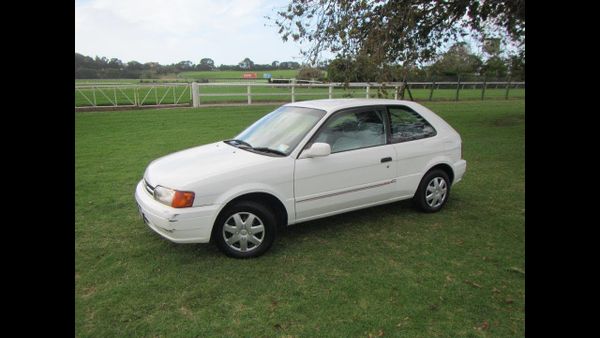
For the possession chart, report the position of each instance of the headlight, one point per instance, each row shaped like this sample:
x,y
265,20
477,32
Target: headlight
x,y
174,198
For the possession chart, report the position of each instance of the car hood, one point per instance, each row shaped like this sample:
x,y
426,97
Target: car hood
x,y
181,170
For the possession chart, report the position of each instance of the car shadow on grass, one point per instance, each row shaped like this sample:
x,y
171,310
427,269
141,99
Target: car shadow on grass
x,y
354,221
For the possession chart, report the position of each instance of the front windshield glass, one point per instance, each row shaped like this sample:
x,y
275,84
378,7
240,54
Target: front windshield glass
x,y
281,129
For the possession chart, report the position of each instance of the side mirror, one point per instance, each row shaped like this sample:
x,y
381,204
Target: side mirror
x,y
317,150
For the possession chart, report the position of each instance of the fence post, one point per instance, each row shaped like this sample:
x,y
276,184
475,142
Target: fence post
x,y
507,89
483,88
457,87
367,92
407,86
115,92
195,96
330,90
94,95
432,88
293,91
249,95
395,92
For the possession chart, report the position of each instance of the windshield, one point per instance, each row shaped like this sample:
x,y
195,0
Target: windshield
x,y
281,130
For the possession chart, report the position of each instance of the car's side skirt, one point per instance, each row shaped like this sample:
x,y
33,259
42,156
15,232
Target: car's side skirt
x,y
341,211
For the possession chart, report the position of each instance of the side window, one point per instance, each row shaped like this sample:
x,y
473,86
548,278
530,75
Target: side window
x,y
353,130
408,125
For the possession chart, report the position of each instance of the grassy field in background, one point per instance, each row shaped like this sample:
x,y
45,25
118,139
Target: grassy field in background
x,y
198,75
238,74
167,95
388,270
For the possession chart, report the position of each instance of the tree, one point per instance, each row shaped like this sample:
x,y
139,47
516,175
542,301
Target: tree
x,y
394,31
206,64
309,73
517,66
491,46
495,67
183,66
115,63
246,64
134,65
457,60
275,64
358,69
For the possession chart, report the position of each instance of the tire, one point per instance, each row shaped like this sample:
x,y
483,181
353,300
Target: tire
x,y
436,185
237,238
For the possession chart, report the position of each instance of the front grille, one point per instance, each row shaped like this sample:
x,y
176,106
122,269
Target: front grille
x,y
149,188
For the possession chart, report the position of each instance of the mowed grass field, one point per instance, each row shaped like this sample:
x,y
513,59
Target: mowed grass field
x,y
154,95
212,76
238,74
384,271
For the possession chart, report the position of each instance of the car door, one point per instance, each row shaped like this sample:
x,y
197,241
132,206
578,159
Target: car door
x,y
412,138
359,171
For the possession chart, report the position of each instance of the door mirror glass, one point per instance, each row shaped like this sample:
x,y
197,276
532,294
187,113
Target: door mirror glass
x,y
317,150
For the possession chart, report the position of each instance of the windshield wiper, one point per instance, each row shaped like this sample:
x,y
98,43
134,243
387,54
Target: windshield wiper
x,y
239,142
270,150
261,149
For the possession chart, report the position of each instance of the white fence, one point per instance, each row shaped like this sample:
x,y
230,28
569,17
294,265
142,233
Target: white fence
x,y
196,94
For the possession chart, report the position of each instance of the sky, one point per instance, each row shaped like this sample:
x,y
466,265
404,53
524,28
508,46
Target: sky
x,y
170,31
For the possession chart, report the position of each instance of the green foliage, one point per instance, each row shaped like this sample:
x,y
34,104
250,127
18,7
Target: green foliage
x,y
390,32
388,270
103,68
457,60
206,64
517,66
246,64
309,73
495,67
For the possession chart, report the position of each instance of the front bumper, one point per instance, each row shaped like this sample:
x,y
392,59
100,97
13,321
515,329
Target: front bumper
x,y
459,169
179,225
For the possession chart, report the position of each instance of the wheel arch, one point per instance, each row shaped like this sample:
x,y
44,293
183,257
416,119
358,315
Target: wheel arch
x,y
447,168
264,198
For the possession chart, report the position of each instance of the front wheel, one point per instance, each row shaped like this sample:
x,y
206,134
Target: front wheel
x,y
433,191
244,230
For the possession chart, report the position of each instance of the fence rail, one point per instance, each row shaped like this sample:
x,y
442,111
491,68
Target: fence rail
x,y
92,96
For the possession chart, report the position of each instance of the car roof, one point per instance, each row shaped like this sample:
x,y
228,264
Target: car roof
x,y
331,105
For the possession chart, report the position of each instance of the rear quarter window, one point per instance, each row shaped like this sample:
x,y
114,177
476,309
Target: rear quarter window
x,y
407,125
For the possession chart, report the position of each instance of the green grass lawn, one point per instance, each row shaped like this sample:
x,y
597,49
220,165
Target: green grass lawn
x,y
385,270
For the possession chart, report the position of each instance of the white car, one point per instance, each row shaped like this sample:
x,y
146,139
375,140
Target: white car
x,y
303,161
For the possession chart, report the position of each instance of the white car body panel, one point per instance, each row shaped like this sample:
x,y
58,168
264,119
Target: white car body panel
x,y
308,188
343,180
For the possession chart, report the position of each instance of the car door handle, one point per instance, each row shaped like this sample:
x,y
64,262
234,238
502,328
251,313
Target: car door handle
x,y
386,159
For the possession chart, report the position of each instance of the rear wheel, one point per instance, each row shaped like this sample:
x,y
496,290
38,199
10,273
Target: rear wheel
x,y
244,230
433,191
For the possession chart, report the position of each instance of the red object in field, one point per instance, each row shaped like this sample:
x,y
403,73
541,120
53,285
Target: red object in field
x,y
249,75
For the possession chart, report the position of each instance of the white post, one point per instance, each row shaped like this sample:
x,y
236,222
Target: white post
x,y
195,96
293,91
330,90
367,91
396,93
249,95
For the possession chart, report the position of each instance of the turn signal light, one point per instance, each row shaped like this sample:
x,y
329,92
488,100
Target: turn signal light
x,y
183,199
